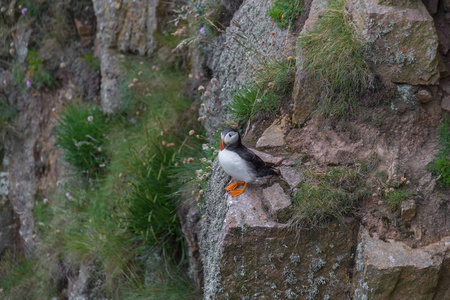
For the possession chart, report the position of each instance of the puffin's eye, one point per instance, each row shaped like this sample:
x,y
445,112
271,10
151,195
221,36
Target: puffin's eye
x,y
229,134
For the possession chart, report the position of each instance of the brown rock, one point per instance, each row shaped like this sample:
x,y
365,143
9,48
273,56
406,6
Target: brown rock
x,y
83,29
446,103
396,271
273,136
267,157
408,210
399,3
291,175
402,47
424,96
278,203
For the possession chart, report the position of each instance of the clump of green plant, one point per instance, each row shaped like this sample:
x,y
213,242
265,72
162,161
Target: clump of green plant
x,y
7,114
93,62
20,278
284,12
81,133
334,63
330,193
250,103
39,76
440,166
263,95
392,189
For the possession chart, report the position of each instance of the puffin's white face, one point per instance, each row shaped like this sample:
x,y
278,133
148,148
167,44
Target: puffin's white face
x,y
228,138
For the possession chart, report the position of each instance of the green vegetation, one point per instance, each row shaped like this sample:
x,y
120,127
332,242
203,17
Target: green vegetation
x,y
284,12
249,103
337,72
264,94
39,76
94,62
7,114
393,198
81,132
440,166
333,192
123,223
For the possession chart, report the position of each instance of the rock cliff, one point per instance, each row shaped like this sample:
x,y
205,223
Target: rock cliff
x,y
261,245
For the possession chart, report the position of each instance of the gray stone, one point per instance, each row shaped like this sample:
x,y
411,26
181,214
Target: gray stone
x,y
278,203
396,271
127,25
4,184
424,96
273,136
112,75
78,287
291,175
446,103
402,42
232,64
244,250
408,210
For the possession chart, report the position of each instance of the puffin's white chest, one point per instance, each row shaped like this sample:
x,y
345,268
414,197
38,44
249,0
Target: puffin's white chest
x,y
235,166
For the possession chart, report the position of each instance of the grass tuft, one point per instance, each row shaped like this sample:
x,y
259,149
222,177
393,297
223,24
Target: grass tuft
x,y
440,166
332,193
334,62
81,133
284,12
261,98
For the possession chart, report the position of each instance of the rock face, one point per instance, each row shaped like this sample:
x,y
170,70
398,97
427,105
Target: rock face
x,y
231,64
395,271
123,26
127,25
401,37
248,255
6,214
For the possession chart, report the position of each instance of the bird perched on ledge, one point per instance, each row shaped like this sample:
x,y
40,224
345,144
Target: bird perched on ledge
x,y
240,163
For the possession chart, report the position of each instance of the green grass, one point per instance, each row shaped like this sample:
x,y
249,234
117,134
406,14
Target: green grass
x,y
263,95
7,115
284,12
250,103
24,278
40,77
394,198
328,194
81,133
440,166
337,72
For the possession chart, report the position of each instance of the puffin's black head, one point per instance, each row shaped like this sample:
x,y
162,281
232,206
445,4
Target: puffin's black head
x,y
229,138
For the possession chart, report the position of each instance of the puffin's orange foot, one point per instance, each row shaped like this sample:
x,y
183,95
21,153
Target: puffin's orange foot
x,y
234,185
238,191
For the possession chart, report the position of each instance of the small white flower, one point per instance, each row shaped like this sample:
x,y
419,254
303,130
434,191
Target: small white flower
x,y
90,118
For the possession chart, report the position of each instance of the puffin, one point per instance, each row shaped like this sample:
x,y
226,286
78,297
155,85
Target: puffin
x,y
240,163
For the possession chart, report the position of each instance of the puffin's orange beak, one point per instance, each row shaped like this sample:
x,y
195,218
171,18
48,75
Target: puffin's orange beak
x,y
221,144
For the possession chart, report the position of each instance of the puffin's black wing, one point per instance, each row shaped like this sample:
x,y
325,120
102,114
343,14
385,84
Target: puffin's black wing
x,y
262,168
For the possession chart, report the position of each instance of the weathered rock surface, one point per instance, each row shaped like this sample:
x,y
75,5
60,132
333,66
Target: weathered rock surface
x,y
123,26
6,214
395,271
247,254
446,103
273,136
127,25
402,39
257,258
408,210
231,64
278,203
